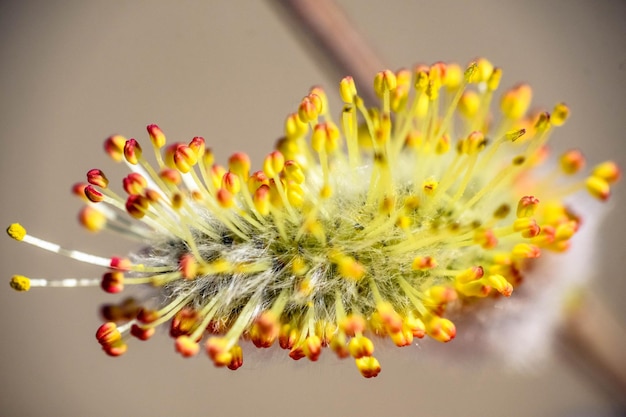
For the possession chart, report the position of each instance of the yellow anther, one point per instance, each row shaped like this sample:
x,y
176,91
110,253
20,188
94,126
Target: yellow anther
x,y
471,73
598,187
20,283
350,268
360,346
469,103
542,122
404,222
572,161
484,70
559,114
453,76
384,81
423,263
261,200
403,78
294,127
92,219
325,137
310,108
16,231
500,284
273,164
516,101
347,89
321,94
326,191
421,78
440,329
494,79
295,194
514,135
565,231
299,266
525,250
293,172
239,164
430,186
608,171
474,143
527,206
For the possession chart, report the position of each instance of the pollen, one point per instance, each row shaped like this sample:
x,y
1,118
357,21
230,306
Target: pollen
x,y
382,224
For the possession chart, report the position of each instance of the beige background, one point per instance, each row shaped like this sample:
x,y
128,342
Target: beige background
x,y
74,72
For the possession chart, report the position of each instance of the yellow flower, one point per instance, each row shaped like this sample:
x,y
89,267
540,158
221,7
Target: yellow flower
x,y
384,223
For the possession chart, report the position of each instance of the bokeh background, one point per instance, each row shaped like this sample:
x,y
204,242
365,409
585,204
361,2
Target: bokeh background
x,y
73,72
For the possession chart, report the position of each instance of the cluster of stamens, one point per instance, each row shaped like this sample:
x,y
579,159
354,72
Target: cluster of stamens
x,y
379,226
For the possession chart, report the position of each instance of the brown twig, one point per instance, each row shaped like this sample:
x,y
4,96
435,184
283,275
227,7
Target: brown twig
x,y
339,46
590,339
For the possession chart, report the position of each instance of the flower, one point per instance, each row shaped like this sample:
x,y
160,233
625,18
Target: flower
x,y
386,223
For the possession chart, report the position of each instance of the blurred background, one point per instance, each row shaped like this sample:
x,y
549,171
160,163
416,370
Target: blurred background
x,y
74,72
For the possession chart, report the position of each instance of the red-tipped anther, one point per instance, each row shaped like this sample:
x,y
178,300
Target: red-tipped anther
x,y
127,309
389,316
273,164
113,282
239,163
287,336
184,322
384,81
186,346
93,195
525,250
526,206
296,353
121,264
352,324
217,349
116,350
188,266
198,146
572,161
236,360
137,205
231,182
108,334
368,366
92,219
486,238
134,183
146,315
170,176
96,177
224,198
609,171
78,190
156,136
440,329
142,333
360,346
312,347
184,158
256,180
114,147
132,151
265,330
310,108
